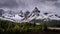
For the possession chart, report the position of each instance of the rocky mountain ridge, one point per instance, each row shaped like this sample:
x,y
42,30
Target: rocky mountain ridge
x,y
28,16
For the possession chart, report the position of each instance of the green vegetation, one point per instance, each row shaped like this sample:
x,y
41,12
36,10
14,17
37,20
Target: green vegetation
x,y
7,27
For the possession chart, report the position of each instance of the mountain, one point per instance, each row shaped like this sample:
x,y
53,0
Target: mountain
x,y
34,16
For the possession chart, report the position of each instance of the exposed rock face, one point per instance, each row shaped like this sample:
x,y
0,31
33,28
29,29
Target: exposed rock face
x,y
46,13
26,14
35,12
1,12
57,16
21,13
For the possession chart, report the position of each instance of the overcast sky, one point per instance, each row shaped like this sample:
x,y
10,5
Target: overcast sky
x,y
43,5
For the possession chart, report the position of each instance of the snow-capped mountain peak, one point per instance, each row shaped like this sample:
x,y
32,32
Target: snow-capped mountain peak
x,y
28,16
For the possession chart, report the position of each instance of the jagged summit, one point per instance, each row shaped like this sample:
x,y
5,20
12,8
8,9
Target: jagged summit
x,y
28,16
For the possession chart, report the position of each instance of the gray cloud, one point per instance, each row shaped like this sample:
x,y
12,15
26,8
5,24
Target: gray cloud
x,y
43,5
10,4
